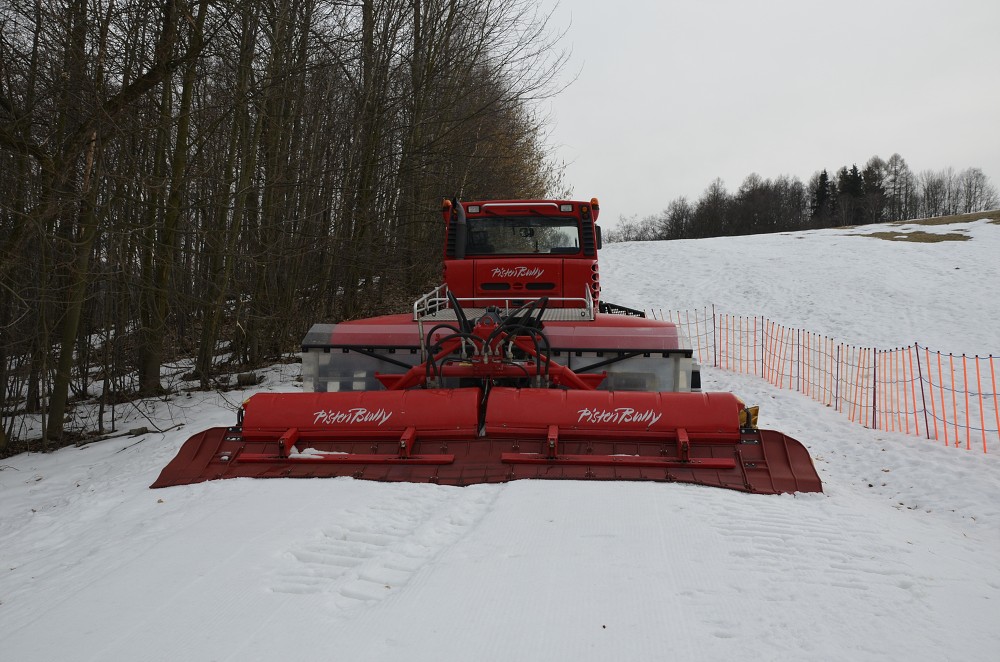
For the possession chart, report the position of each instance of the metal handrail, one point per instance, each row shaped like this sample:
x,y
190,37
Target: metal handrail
x,y
437,300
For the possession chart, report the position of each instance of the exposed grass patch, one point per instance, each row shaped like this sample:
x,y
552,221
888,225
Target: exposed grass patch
x,y
919,236
993,216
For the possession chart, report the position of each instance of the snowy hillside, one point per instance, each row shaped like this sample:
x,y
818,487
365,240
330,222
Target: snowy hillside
x,y
898,559
843,283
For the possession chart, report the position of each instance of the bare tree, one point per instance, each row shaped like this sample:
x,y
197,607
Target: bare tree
x,y
900,189
977,194
933,193
209,179
675,221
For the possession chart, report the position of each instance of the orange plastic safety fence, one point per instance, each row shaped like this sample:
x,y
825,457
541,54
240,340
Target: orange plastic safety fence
x,y
911,390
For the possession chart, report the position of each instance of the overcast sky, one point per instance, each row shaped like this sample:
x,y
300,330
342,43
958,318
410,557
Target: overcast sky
x,y
670,95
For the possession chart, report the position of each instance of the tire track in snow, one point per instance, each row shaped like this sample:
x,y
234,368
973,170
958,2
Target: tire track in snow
x,y
773,557
792,555
374,552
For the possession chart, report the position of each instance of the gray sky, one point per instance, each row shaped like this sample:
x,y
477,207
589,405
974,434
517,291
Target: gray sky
x,y
670,95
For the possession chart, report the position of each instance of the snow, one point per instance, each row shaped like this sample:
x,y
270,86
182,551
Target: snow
x,y
898,559
840,283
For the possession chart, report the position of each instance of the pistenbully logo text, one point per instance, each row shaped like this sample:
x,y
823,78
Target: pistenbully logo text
x,y
518,272
354,416
619,416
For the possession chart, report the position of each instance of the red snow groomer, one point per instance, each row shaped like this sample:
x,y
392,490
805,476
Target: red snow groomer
x,y
514,368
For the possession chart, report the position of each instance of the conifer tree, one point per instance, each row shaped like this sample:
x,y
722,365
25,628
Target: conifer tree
x,y
822,198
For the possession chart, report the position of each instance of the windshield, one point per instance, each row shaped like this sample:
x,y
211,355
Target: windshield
x,y
513,235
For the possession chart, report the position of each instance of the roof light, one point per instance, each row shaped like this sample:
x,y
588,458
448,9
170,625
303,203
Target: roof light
x,y
473,209
565,207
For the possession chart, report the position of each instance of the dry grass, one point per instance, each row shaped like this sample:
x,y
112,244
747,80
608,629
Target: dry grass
x,y
919,236
993,216
922,237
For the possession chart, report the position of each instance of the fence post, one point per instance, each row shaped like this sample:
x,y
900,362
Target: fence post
x,y
954,396
965,386
982,412
836,382
798,343
923,398
715,341
763,344
996,405
913,390
857,388
875,389
944,407
755,345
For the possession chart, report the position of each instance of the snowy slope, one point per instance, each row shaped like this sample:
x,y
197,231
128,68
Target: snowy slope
x,y
841,283
899,559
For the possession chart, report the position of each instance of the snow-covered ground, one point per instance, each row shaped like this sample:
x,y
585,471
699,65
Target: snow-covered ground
x,y
898,559
862,290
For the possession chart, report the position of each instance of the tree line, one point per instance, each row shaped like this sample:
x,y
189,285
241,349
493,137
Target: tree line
x,y
882,191
185,177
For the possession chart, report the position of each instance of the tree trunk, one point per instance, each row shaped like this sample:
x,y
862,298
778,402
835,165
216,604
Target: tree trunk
x,y
164,261
243,140
78,278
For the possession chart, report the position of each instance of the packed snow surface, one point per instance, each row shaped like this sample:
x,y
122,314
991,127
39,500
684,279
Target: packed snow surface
x,y
842,283
898,559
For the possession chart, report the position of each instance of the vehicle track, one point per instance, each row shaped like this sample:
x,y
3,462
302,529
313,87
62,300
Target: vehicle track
x,y
375,552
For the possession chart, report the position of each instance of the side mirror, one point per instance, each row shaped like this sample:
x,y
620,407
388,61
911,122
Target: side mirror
x,y
600,240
